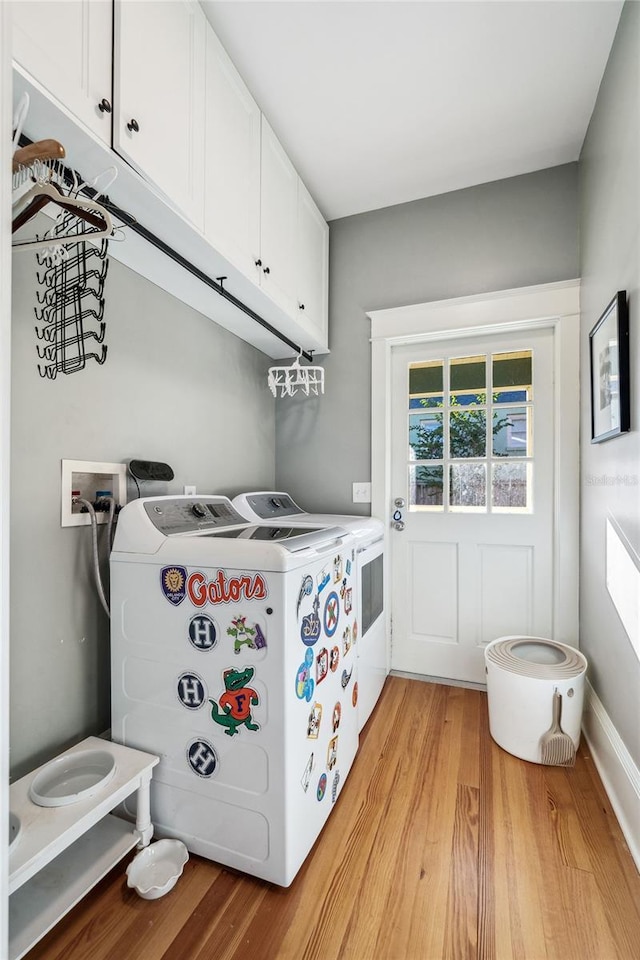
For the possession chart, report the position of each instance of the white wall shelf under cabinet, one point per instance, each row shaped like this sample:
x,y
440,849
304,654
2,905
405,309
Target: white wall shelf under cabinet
x,y
62,852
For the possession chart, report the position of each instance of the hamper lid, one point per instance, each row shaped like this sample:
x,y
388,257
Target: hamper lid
x,y
536,657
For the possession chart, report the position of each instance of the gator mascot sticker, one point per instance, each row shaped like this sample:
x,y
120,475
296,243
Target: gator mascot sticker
x,y
233,709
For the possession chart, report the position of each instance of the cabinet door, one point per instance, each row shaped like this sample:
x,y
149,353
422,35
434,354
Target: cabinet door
x,y
66,47
159,73
278,222
232,162
312,272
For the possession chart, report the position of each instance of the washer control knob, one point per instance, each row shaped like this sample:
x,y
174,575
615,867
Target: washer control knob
x,y
198,511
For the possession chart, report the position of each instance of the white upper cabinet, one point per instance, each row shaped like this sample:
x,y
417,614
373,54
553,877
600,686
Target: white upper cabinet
x,y
278,222
66,47
232,162
312,266
159,94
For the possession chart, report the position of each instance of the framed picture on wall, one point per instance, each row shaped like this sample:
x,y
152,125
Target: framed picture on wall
x,y
609,356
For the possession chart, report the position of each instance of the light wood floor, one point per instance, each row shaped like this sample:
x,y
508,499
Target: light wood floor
x,y
441,846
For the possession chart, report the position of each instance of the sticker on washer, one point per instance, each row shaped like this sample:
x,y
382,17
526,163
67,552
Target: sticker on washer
x,y
322,665
202,758
304,681
323,578
313,724
346,640
311,627
233,708
345,678
243,634
348,600
306,589
191,690
354,631
322,786
173,581
331,613
348,567
202,632
337,714
337,569
334,659
219,589
332,753
334,786
354,694
306,776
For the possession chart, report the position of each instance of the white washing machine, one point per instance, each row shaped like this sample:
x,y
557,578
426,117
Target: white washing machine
x,y
233,660
269,506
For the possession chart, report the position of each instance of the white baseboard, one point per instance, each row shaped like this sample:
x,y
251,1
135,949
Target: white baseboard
x,y
619,774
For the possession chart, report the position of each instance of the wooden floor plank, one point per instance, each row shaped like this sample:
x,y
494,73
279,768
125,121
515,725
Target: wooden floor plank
x,y
441,847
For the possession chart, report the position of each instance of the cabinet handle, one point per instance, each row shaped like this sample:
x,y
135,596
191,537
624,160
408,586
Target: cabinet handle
x,y
266,270
258,262
300,306
133,125
104,106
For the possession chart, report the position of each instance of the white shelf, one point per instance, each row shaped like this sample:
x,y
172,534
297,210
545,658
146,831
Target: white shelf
x,y
62,852
38,905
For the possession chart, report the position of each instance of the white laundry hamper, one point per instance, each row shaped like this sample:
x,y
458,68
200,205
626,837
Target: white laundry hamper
x,y
522,675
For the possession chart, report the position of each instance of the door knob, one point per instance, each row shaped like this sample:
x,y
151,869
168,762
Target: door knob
x,y
398,502
398,525
133,125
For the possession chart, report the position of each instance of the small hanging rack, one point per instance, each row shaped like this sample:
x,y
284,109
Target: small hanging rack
x,y
286,381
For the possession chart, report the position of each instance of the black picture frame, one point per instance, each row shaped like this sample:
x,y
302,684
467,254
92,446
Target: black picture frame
x,y
609,362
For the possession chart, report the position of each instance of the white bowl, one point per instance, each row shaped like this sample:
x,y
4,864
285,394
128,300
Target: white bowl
x,y
72,777
14,829
155,870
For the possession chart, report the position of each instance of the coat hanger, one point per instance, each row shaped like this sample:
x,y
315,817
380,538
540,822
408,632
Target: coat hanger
x,y
41,150
87,212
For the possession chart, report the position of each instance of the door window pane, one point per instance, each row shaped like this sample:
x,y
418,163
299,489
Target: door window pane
x,y
425,436
426,487
512,374
468,485
426,384
511,436
511,485
467,433
468,375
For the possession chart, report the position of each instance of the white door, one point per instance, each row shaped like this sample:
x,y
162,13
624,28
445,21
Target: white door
x,y
312,267
472,444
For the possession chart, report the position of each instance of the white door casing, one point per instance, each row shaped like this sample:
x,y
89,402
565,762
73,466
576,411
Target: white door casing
x,y
554,307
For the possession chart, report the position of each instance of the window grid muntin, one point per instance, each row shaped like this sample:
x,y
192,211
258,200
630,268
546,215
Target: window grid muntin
x,y
493,406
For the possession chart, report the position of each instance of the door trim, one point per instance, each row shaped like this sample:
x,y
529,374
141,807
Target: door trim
x,y
554,305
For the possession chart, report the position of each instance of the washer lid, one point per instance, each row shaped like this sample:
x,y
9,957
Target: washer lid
x,y
536,657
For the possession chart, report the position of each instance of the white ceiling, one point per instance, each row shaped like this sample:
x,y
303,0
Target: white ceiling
x,y
379,102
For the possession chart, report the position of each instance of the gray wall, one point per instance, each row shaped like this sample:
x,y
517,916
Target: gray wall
x,y
175,387
510,233
610,261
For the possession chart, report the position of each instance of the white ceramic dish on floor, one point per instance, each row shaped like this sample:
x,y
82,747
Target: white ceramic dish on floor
x,y
155,870
72,777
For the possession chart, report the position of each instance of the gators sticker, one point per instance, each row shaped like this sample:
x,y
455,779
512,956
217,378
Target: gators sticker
x,y
233,708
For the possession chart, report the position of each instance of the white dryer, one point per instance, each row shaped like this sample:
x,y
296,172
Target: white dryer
x,y
277,506
233,660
